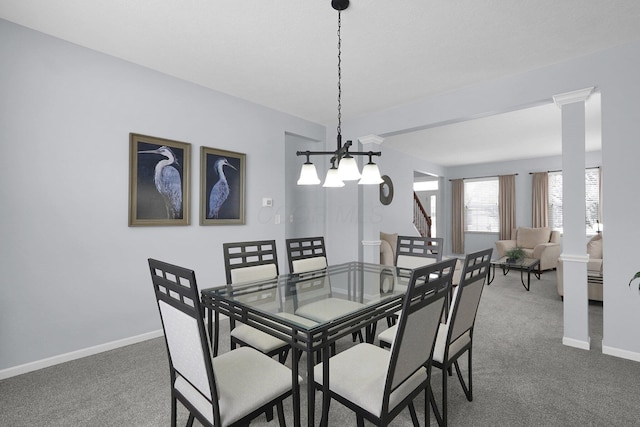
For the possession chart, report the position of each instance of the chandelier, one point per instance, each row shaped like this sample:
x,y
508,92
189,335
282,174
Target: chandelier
x,y
347,167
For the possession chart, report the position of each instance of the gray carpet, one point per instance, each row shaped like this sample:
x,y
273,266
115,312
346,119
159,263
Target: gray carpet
x,y
523,376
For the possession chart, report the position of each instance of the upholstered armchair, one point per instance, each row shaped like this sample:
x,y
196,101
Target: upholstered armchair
x,y
388,245
539,243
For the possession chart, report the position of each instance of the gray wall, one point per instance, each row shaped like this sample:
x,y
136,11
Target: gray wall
x,y
74,275
614,73
304,213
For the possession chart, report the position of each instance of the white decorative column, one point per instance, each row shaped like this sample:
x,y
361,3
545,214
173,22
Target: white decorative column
x,y
370,207
574,254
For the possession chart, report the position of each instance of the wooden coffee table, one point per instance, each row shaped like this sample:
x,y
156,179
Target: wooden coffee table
x,y
528,265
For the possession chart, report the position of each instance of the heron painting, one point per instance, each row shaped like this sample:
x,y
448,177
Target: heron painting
x,y
166,177
222,187
220,191
159,182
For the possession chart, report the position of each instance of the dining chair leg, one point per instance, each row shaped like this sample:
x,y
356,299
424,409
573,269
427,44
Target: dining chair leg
x,y
190,420
470,397
391,321
324,418
282,357
427,415
414,416
281,420
444,394
174,413
466,387
360,421
370,334
436,411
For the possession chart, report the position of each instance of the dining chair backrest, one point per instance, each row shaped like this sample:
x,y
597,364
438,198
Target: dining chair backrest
x,y
416,251
250,261
466,298
181,314
306,254
423,305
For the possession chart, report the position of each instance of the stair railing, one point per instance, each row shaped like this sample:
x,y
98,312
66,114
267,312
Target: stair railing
x,y
421,220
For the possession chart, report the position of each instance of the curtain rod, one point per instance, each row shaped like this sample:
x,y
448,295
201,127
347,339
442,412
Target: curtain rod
x,y
594,167
488,176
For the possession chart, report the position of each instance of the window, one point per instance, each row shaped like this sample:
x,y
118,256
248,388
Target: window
x,y
592,196
481,205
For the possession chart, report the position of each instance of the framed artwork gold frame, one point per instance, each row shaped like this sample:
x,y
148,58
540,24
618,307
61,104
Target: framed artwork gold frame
x,y
222,187
159,171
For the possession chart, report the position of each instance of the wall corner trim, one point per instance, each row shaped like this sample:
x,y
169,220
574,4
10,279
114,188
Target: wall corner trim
x,y
624,354
571,342
78,354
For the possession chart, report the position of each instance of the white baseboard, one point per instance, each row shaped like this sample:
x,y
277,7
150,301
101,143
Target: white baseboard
x,y
78,354
584,345
624,354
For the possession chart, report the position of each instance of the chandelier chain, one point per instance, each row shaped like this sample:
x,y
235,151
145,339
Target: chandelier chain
x,y
339,129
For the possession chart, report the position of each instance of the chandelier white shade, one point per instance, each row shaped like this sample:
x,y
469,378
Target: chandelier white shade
x,y
308,175
333,178
370,174
348,168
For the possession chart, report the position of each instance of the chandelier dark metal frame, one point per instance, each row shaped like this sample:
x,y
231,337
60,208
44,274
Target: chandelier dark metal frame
x,y
347,167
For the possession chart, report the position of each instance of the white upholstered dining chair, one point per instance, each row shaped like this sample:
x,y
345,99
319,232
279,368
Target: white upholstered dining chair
x,y
253,261
376,384
455,336
416,251
413,252
228,390
306,255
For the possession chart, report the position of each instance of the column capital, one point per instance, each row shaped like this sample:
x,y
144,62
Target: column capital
x,y
580,95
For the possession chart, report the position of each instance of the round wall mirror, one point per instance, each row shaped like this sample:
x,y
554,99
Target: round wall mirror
x,y
386,190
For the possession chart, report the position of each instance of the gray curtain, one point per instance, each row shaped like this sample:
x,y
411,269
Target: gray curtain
x,y
540,200
507,205
457,218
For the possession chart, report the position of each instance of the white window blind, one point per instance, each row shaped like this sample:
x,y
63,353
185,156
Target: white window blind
x,y
592,200
481,205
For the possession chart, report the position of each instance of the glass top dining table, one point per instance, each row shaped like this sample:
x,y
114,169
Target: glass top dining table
x,y
311,311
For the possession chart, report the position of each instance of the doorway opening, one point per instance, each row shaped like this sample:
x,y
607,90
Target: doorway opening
x,y
426,203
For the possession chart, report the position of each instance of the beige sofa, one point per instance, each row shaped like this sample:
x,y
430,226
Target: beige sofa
x,y
540,243
594,270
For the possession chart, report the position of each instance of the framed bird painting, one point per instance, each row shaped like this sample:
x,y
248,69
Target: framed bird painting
x,y
222,187
159,174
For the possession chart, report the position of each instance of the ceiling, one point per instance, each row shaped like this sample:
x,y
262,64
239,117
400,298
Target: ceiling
x,y
521,134
283,53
